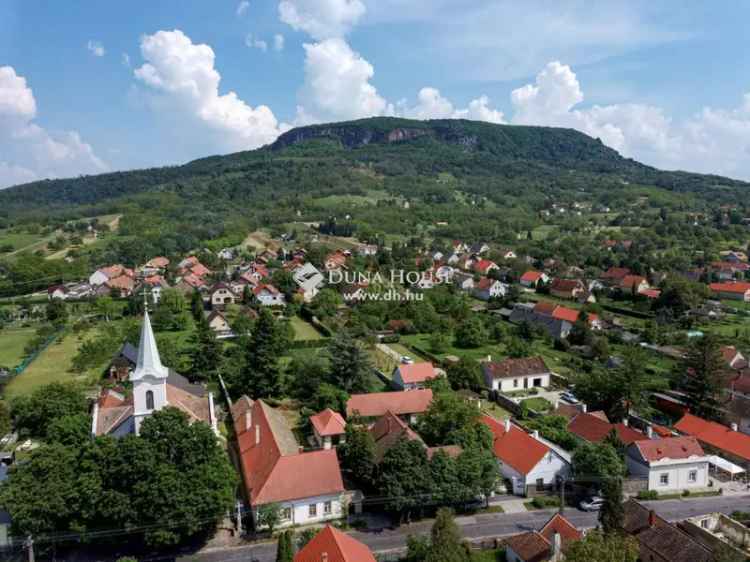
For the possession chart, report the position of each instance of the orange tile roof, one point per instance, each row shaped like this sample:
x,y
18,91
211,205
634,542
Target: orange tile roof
x,y
417,372
123,282
332,545
531,276
159,261
669,448
515,448
530,546
483,266
378,403
730,287
715,435
328,423
559,524
273,469
200,270
632,280
616,273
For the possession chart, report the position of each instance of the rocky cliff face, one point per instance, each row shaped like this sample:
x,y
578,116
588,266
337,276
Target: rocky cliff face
x,y
349,136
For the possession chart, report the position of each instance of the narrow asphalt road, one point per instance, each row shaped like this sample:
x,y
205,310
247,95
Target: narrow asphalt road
x,y
484,526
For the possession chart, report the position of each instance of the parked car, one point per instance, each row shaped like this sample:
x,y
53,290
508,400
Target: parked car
x,y
592,504
569,397
406,360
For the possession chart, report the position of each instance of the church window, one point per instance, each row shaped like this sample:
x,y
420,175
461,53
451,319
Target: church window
x,y
149,400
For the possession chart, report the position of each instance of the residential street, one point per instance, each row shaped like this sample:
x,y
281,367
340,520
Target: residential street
x,y
486,526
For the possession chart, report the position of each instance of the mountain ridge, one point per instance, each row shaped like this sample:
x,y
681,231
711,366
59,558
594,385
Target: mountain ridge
x,y
422,146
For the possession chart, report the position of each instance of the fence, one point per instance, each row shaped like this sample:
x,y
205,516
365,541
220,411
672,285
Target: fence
x,y
26,361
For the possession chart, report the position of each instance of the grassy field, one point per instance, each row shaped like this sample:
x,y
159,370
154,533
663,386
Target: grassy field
x,y
488,556
401,349
53,365
537,404
304,331
13,342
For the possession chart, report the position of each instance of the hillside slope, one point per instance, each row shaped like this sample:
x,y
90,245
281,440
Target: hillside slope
x,y
393,146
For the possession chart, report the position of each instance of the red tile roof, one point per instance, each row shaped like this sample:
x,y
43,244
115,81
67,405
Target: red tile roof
x,y
273,469
531,276
594,430
566,285
515,448
376,404
730,287
328,423
417,372
616,273
200,270
651,293
159,261
332,545
564,313
483,266
715,435
669,448
558,524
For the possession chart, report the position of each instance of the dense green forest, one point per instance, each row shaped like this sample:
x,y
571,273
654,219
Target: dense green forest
x,y
388,179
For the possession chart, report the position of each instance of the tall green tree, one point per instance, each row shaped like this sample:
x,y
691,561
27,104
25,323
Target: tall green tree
x,y
445,540
261,374
466,373
284,548
447,414
404,477
34,413
596,546
357,454
351,367
205,351
612,513
171,312
196,305
702,370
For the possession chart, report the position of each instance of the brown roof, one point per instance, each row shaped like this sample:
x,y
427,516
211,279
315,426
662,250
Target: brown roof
x,y
387,431
593,429
511,367
400,403
530,547
566,285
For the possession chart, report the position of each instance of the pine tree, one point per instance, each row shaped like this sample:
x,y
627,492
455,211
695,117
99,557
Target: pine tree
x,y
702,369
284,550
446,543
261,375
205,354
612,514
196,306
351,367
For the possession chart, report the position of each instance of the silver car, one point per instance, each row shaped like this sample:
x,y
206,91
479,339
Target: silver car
x,y
592,504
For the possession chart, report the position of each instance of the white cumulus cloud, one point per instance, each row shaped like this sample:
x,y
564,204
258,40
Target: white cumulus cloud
x,y
27,150
96,48
337,83
255,43
242,8
321,19
184,73
278,42
432,105
712,141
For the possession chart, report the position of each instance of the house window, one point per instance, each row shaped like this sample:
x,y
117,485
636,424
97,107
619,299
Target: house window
x,y
704,523
664,479
515,383
312,510
327,508
149,400
286,513
539,484
693,476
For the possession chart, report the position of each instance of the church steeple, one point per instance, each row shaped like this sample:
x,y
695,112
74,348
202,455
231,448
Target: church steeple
x,y
149,362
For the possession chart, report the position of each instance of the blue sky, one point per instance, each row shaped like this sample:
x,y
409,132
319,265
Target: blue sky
x,y
663,82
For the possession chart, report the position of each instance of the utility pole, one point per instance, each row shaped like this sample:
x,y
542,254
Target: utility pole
x,y
29,544
562,495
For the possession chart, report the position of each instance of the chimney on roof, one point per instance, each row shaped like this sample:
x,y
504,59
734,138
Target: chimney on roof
x,y
584,408
324,557
626,422
535,434
248,420
649,432
556,404
257,434
734,426
651,518
507,424
556,547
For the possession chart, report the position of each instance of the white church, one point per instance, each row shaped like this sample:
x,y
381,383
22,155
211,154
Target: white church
x,y
154,386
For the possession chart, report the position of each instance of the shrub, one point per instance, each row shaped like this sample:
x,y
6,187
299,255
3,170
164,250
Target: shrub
x,y
648,495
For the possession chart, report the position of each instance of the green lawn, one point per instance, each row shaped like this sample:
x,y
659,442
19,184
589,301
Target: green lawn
x,y
19,240
304,330
403,350
488,556
537,403
53,365
13,342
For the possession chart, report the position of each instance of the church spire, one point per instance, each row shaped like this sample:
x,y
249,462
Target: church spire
x,y
149,362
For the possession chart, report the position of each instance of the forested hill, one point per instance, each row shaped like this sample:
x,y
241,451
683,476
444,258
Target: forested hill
x,y
524,155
